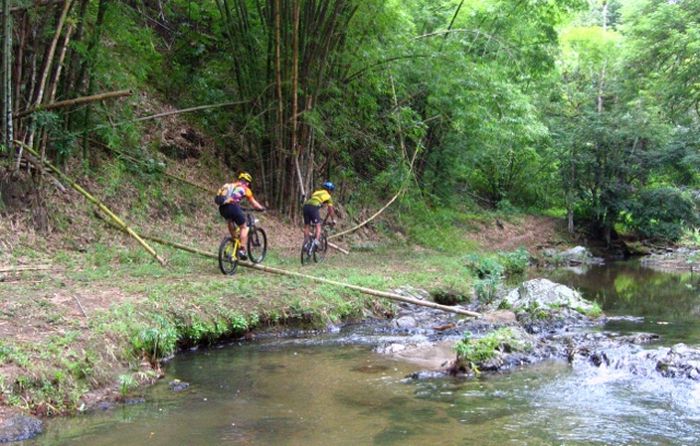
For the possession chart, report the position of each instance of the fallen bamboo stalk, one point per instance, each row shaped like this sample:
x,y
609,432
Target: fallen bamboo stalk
x,y
174,112
334,246
99,204
269,269
76,101
37,164
353,229
17,269
370,291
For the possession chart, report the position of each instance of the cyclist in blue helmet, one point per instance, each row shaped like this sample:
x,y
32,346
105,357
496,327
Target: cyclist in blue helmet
x,y
312,206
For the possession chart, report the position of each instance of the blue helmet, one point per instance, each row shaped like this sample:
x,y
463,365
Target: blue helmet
x,y
330,187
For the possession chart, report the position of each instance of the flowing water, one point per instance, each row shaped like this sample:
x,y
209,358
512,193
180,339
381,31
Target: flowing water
x,y
335,390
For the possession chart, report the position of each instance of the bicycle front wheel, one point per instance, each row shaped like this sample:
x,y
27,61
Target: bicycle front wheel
x,y
306,253
257,245
228,261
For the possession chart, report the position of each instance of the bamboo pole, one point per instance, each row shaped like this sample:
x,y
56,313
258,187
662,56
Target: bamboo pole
x,y
76,101
364,290
17,269
334,246
7,78
99,204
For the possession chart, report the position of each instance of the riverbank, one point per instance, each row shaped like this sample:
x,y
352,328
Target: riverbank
x,y
83,325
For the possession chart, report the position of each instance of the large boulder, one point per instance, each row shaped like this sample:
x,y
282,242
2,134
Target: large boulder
x,y
578,255
547,295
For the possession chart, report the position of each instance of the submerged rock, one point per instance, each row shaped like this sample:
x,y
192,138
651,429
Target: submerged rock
x,y
178,386
20,428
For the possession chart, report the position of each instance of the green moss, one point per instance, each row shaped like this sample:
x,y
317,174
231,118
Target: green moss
x,y
474,351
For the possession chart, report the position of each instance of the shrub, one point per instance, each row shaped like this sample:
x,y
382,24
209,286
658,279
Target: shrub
x,y
661,213
514,262
484,267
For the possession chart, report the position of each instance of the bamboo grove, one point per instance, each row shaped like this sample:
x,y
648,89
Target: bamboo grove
x,y
587,107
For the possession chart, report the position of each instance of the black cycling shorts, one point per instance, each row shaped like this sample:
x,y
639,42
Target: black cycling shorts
x,y
232,212
311,214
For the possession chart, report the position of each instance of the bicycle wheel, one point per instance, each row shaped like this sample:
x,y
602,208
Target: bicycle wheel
x,y
306,253
321,249
257,245
228,261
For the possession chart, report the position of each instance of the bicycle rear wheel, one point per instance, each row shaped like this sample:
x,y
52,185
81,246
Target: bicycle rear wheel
x,y
228,260
257,245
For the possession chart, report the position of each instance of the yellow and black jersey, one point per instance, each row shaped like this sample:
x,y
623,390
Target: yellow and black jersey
x,y
320,198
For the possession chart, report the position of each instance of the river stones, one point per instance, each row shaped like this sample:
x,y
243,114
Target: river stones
x,y
405,322
680,361
19,428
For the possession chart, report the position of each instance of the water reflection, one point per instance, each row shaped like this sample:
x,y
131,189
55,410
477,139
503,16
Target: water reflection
x,y
669,303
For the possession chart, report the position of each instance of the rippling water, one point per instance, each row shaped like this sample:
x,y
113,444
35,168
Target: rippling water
x,y
326,391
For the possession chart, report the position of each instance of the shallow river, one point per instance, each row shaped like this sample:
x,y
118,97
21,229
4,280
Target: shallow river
x,y
334,390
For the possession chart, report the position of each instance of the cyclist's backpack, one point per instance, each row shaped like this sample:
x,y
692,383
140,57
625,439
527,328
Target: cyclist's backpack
x,y
223,194
234,191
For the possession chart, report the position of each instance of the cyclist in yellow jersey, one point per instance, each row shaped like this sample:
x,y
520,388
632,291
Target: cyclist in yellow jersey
x,y
313,205
231,195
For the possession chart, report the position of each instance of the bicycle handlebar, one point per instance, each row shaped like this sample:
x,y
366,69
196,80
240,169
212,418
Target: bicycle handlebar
x,y
252,209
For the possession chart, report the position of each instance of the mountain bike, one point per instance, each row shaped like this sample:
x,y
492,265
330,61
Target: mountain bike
x,y
257,245
316,249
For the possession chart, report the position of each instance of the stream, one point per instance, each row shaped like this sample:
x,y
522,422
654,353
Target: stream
x,y
334,389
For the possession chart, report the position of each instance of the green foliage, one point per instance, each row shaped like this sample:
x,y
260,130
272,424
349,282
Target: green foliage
x,y
127,383
503,264
484,265
157,340
514,262
662,213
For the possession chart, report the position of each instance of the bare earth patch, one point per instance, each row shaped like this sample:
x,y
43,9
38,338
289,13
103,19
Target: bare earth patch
x,y
532,232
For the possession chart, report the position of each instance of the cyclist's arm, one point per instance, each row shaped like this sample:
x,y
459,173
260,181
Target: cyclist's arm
x,y
255,204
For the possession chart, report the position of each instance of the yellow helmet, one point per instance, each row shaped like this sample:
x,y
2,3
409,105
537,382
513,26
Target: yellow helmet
x,y
245,176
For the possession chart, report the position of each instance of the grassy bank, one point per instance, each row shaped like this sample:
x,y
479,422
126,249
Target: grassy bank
x,y
97,324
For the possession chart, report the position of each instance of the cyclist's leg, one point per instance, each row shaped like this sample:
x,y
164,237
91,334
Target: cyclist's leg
x,y
231,229
318,231
244,236
309,212
238,217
